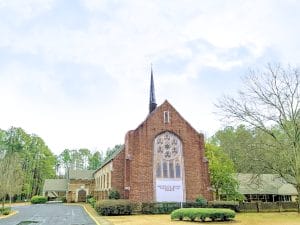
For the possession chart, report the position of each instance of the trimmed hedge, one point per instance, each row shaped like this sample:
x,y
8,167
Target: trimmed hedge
x,y
38,199
114,207
202,214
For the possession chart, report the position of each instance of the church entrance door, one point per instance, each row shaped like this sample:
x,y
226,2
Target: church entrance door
x,y
81,195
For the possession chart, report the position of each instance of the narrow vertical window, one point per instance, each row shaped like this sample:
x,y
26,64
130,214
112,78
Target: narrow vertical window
x,y
158,170
166,117
107,183
178,175
165,169
171,169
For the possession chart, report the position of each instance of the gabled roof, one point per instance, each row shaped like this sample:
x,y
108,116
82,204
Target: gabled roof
x,y
110,158
81,174
55,185
166,102
264,184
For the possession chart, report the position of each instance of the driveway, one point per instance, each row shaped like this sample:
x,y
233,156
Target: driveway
x,y
49,214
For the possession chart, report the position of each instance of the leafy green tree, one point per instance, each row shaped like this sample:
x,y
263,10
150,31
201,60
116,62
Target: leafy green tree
x,y
84,154
11,176
222,173
95,160
111,151
35,158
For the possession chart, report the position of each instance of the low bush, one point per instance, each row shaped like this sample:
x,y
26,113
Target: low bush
x,y
92,201
225,205
114,207
202,214
64,199
38,199
5,210
201,201
114,194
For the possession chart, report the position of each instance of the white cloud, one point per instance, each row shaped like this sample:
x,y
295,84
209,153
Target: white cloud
x,y
26,9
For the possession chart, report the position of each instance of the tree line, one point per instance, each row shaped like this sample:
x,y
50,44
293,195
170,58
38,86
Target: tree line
x,y
26,161
83,159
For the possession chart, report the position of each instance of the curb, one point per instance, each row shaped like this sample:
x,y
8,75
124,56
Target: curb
x,y
90,215
11,214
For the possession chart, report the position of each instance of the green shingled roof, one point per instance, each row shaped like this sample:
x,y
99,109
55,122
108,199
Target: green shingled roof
x,y
264,184
55,185
81,174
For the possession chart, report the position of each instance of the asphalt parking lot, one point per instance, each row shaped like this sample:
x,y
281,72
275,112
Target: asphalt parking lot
x,y
49,214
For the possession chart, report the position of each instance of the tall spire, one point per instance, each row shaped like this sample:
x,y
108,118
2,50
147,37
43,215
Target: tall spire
x,y
152,102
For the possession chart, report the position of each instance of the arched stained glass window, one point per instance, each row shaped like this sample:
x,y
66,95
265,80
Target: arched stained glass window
x,y
168,156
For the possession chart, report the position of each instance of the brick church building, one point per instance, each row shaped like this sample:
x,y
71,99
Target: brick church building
x,y
162,160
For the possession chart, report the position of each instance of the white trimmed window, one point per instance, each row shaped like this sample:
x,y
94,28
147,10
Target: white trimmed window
x,y
166,117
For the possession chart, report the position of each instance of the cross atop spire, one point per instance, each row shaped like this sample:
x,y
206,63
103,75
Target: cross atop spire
x,y
152,102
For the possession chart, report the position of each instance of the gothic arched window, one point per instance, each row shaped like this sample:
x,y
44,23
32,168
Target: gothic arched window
x,y
168,156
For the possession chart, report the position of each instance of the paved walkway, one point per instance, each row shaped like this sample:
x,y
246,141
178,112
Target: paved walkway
x,y
49,214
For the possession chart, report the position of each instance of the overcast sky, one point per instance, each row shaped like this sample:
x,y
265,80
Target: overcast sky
x,y
77,72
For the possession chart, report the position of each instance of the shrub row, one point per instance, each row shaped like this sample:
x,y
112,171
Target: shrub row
x,y
114,207
38,199
124,207
202,214
225,205
167,207
5,211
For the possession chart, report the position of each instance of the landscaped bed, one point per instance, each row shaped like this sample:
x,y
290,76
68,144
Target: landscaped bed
x,y
5,211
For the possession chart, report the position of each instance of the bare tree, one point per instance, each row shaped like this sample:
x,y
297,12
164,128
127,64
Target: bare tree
x,y
270,102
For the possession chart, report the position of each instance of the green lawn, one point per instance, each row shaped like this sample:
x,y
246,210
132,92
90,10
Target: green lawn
x,y
240,219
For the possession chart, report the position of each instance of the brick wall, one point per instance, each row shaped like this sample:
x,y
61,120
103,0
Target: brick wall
x,y
117,174
75,185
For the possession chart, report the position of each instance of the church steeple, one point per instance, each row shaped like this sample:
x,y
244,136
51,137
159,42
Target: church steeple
x,y
152,102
